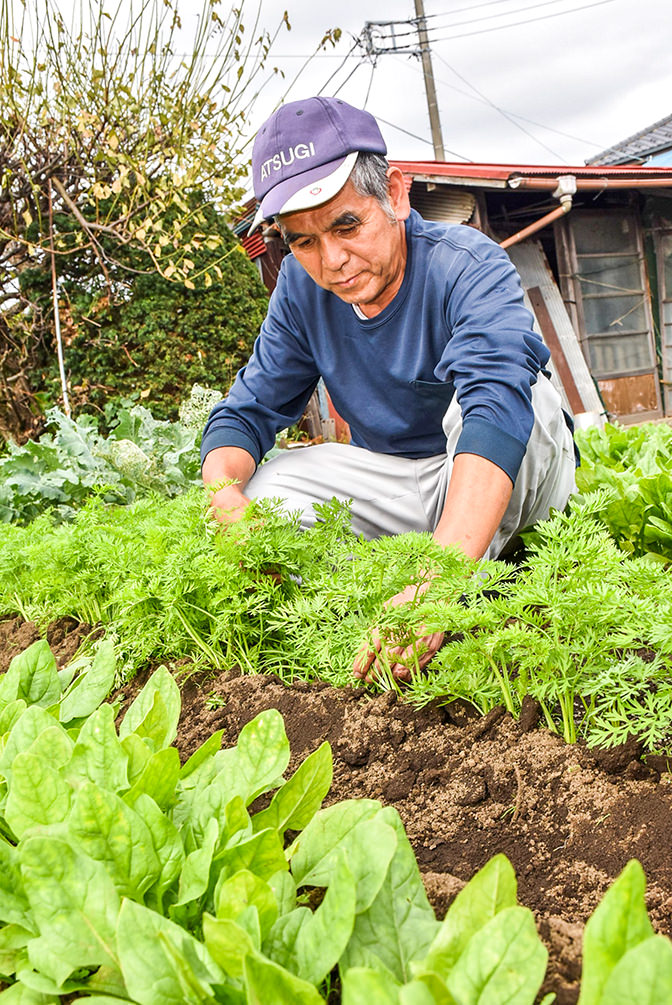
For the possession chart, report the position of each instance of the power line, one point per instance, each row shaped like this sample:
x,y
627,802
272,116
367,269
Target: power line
x,y
481,31
487,17
273,55
342,64
462,10
447,13
500,110
341,86
415,136
484,100
516,24
374,50
309,61
401,129
368,92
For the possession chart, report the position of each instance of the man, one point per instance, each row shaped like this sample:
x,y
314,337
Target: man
x,y
420,333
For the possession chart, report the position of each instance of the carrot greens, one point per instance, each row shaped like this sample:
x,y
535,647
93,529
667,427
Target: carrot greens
x,y
579,626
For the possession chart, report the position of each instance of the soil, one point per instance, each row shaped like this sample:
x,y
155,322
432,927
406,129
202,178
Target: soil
x,y
467,787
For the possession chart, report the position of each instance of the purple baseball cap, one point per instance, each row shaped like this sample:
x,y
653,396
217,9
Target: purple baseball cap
x,y
304,153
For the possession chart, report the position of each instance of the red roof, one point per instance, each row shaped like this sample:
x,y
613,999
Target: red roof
x,y
253,244
502,172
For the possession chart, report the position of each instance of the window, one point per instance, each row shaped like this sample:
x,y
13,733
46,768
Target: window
x,y
612,293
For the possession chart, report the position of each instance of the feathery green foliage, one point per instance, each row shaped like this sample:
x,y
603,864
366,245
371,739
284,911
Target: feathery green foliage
x,y
580,626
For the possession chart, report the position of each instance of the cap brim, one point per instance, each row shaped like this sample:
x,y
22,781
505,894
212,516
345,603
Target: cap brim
x,y
259,218
318,185
316,191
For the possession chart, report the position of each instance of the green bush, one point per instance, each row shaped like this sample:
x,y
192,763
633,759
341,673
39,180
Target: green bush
x,y
153,339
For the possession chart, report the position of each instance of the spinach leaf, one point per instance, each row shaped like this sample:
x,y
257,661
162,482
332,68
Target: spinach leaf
x,y
643,974
490,891
618,924
74,905
399,926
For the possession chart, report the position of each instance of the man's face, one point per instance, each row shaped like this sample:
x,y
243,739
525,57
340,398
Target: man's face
x,y
350,246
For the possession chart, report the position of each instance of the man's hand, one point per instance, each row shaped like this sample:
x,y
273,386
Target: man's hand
x,y
373,658
228,504
226,472
476,500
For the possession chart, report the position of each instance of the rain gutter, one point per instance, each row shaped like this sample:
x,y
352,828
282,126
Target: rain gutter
x,y
591,184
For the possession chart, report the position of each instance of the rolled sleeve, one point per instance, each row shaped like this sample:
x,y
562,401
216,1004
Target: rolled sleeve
x,y
482,438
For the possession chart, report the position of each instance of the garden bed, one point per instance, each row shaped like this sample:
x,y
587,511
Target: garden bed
x,y
466,786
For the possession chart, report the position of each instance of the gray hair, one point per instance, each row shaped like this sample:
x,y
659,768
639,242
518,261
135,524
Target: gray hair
x,y
369,178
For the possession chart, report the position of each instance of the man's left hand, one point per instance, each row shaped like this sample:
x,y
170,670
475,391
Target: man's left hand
x,y
373,658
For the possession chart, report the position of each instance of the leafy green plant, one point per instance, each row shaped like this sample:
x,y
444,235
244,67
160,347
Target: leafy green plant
x,y
74,461
580,627
112,850
130,877
635,464
487,949
623,960
169,584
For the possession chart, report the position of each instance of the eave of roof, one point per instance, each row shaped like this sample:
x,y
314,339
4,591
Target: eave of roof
x,y
254,245
499,175
477,175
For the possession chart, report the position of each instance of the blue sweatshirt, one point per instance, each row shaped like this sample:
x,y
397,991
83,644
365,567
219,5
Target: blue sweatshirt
x,y
457,325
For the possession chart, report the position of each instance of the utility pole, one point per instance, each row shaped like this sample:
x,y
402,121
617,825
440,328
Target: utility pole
x,y
379,38
432,104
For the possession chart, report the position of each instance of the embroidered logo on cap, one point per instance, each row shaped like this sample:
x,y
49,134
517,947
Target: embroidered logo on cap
x,y
286,157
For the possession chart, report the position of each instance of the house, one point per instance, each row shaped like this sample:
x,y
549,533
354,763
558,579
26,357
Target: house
x,y
651,146
593,245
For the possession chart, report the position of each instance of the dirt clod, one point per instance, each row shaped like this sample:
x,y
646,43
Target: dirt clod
x,y
530,714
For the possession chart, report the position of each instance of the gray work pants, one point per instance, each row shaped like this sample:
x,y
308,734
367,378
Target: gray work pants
x,y
393,495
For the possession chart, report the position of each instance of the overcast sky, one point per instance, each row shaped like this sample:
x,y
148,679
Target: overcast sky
x,y
568,77
518,81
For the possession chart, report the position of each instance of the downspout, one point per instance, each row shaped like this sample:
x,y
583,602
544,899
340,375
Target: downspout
x,y
564,191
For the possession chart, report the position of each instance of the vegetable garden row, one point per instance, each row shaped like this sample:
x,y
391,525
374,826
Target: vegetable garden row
x,y
131,877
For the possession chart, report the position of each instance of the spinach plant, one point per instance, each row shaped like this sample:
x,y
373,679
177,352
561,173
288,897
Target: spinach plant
x,y
130,877
623,960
